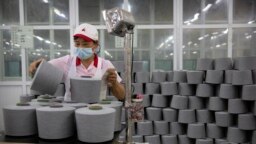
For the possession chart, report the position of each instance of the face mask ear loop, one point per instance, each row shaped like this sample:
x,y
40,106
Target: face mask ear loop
x,y
98,50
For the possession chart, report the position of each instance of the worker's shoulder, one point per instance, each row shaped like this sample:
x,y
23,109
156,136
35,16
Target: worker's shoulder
x,y
63,59
106,63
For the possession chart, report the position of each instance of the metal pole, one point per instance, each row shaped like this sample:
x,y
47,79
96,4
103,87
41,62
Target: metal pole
x,y
128,94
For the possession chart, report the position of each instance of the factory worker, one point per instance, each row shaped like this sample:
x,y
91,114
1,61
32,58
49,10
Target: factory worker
x,y
85,62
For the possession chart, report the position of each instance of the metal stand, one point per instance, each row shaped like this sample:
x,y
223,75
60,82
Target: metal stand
x,y
128,75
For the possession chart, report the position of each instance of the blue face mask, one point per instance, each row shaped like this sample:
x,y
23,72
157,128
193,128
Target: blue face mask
x,y
83,53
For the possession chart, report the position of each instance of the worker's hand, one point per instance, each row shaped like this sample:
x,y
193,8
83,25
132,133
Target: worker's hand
x,y
33,66
111,77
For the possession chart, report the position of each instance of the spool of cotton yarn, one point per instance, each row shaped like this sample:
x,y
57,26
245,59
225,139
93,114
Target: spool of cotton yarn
x,y
117,105
47,78
55,122
95,124
76,105
20,120
86,90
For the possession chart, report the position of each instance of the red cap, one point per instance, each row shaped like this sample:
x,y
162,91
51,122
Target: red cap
x,y
85,38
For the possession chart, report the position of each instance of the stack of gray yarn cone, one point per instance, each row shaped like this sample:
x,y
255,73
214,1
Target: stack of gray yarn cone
x,y
54,119
214,104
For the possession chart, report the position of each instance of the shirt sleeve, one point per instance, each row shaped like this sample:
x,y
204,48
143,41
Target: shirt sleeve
x,y
61,62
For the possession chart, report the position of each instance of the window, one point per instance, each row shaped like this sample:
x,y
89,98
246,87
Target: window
x,y
9,12
244,41
10,57
244,11
46,12
203,43
205,12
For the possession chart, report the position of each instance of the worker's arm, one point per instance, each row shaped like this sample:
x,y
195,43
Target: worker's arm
x,y
116,88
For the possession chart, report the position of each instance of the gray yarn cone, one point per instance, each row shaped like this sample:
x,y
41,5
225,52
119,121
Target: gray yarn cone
x,y
223,64
224,119
187,116
220,141
204,141
60,91
20,120
119,65
246,121
204,64
123,116
169,88
36,93
55,123
139,66
187,89
145,128
142,77
117,105
161,127
237,106
154,114
214,131
196,130
228,76
146,100
195,103
245,63
170,115
216,104
46,78
204,90
177,128
254,137
26,98
153,139
137,88
242,77
169,76
179,102
95,126
204,116
236,135
158,76
248,92
214,76
152,88
228,91
254,76
195,77
137,138
169,139
160,101
180,76
254,108
133,130
75,105
183,139
81,90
